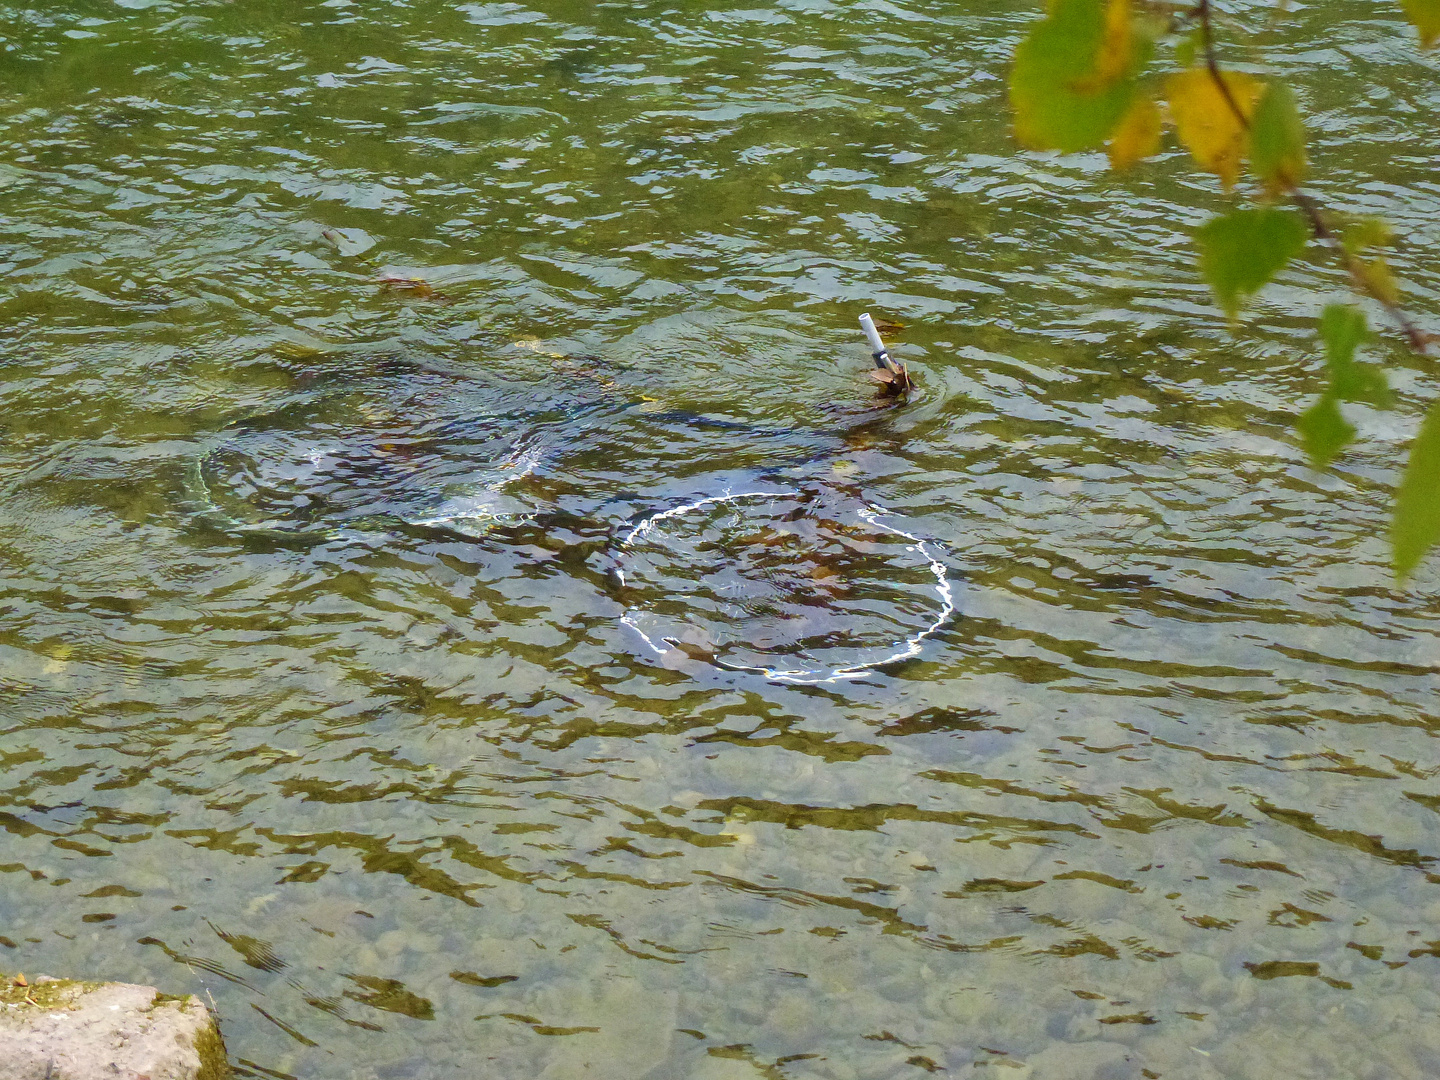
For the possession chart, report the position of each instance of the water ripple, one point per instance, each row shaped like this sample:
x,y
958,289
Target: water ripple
x,y
401,792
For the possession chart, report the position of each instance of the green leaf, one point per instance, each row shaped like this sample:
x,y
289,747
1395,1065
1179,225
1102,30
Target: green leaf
x,y
1212,117
1416,525
1367,232
1187,48
1363,382
1323,431
1425,14
1241,251
1277,140
1342,329
1378,279
1074,75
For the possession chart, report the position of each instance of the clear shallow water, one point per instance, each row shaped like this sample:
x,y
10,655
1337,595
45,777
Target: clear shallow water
x,y
410,801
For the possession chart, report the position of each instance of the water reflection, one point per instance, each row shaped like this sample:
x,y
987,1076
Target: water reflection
x,y
406,796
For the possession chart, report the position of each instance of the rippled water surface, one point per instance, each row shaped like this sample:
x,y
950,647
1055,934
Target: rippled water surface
x,y
325,692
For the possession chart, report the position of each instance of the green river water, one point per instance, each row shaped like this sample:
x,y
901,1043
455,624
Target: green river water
x,y
403,790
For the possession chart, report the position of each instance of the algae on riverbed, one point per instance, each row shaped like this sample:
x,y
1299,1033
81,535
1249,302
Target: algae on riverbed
x,y
1182,722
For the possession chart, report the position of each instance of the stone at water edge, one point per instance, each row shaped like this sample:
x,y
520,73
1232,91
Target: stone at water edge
x,y
62,1029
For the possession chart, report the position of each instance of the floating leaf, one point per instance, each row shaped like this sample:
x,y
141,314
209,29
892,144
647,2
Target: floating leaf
x,y
1137,135
1207,121
1323,431
348,241
419,286
1277,140
1425,14
1279,969
1074,75
1416,526
1241,251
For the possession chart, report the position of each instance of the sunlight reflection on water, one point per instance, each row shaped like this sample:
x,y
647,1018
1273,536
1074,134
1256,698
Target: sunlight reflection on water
x,y
408,798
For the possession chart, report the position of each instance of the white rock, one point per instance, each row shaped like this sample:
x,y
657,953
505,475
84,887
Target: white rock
x,y
106,1031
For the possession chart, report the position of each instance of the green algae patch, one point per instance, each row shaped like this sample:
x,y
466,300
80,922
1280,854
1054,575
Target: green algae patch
x,y
214,1062
1280,969
45,993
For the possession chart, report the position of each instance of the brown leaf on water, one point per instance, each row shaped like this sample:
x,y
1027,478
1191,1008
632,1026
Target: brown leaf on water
x,y
828,578
1206,121
20,979
418,287
893,384
696,652
885,326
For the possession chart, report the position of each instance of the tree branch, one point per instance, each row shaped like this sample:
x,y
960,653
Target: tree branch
x,y
1418,341
1207,36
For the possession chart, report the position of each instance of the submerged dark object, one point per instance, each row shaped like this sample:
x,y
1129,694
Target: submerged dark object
x,y
385,443
892,375
772,565
806,583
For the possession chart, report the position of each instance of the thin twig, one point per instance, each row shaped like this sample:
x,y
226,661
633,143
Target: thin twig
x,y
1308,204
1207,35
1419,343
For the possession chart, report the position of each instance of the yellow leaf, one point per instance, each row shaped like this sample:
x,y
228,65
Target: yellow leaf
x,y
1137,135
1425,14
1368,232
1378,280
1074,75
1206,118
1117,47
